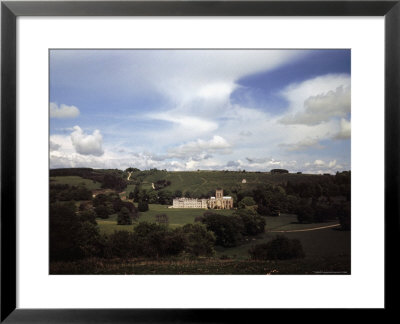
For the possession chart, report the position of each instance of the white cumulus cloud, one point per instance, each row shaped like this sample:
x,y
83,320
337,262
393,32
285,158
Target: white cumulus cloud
x,y
87,144
201,147
63,111
322,107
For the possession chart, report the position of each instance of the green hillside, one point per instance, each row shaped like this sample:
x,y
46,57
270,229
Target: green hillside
x,y
203,181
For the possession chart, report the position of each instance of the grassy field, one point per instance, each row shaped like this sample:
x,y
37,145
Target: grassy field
x,y
177,217
76,181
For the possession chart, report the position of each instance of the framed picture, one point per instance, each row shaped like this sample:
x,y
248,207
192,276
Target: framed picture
x,y
228,130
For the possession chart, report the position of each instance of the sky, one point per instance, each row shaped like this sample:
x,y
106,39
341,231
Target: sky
x,y
178,110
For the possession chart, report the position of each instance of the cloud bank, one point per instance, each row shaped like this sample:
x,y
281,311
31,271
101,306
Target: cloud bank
x,y
63,111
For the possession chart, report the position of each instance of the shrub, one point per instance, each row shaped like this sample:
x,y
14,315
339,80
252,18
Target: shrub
x,y
280,248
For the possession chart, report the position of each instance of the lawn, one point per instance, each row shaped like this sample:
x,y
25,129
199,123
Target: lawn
x,y
76,181
317,243
177,217
324,243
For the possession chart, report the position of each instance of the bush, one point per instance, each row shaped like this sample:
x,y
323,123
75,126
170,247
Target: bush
x,y
280,248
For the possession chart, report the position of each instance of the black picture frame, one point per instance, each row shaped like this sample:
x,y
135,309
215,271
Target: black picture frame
x,y
10,10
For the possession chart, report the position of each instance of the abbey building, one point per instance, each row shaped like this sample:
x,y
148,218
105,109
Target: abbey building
x,y
218,202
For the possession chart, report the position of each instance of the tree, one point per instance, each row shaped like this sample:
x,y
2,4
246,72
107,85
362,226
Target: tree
x,y
130,169
344,214
154,240
113,181
152,196
227,229
71,237
101,211
136,192
165,197
143,206
100,199
178,193
199,241
246,201
120,244
253,223
124,217
88,215
305,213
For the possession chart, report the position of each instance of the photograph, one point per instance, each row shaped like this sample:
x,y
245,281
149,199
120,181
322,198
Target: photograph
x,y
199,161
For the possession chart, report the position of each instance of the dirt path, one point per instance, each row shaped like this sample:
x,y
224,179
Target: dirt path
x,y
129,176
306,229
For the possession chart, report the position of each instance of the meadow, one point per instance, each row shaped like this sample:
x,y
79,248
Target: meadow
x,y
201,181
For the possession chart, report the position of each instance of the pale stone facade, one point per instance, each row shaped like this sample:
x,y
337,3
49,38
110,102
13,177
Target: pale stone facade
x,y
218,202
189,203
